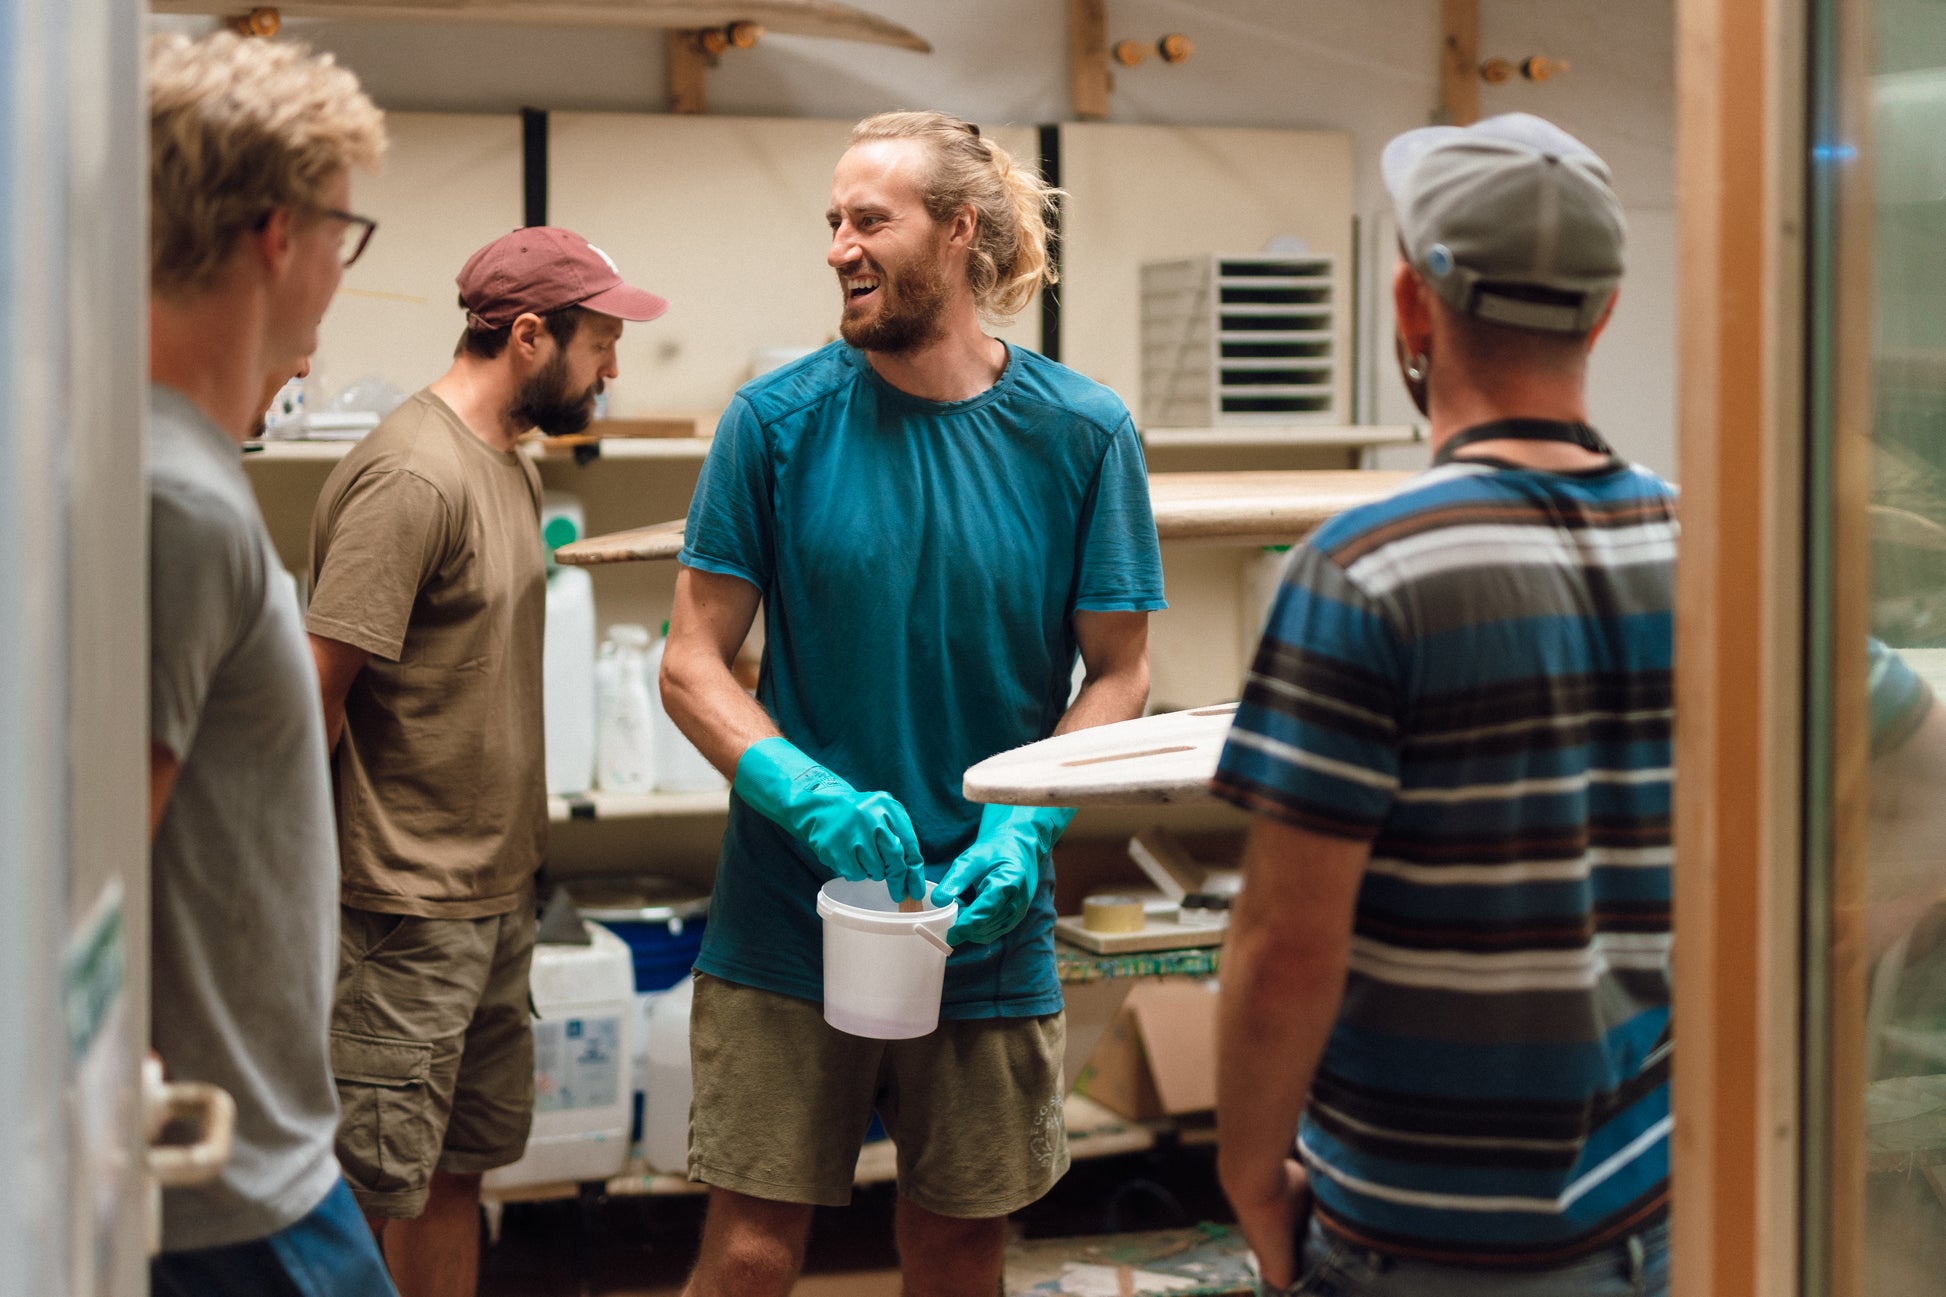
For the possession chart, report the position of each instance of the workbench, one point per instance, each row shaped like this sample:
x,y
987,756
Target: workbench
x,y
1246,508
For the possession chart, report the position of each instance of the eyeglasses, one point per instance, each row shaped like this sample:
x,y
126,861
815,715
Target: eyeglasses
x,y
358,232
351,244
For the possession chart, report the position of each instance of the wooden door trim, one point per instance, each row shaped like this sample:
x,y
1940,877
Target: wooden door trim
x,y
1739,671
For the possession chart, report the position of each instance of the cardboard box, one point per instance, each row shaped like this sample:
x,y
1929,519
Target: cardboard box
x,y
1158,1056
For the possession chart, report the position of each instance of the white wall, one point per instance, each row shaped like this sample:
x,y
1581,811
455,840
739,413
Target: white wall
x,y
1367,68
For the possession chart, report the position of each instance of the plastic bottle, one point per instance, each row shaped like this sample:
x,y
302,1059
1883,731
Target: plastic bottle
x,y
678,767
667,1084
623,713
568,681
562,522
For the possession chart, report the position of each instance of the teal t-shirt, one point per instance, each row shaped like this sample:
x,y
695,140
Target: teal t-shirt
x,y
920,564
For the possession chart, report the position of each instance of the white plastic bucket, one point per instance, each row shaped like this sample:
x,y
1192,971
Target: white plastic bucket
x,y
884,970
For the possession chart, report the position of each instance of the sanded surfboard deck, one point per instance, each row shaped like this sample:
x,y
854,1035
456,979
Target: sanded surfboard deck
x,y
1152,760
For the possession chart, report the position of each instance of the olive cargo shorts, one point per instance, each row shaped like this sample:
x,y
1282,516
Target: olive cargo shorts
x,y
782,1100
433,1051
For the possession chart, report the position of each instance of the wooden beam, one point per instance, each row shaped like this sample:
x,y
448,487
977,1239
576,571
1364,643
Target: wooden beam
x,y
1740,608
1088,58
686,64
1459,61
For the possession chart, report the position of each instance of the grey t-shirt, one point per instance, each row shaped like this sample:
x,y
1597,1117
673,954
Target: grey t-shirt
x,y
244,870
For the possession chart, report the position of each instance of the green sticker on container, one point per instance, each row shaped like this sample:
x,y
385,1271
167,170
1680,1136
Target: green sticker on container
x,y
93,972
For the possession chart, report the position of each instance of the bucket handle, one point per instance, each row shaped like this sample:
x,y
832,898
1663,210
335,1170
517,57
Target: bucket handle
x,y
933,939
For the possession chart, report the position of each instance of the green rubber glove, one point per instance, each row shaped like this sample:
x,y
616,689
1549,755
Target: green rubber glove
x,y
995,879
855,835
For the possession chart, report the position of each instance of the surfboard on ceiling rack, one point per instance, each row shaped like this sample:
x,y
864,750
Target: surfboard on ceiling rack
x,y
826,18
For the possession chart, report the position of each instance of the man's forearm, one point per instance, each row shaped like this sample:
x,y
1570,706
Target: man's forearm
x,y
712,710
1105,699
1278,1002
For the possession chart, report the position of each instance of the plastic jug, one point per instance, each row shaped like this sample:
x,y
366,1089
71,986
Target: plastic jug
x,y
667,1084
678,766
568,681
562,522
624,716
884,969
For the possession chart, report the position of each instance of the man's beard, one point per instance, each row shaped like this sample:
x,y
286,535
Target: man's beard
x,y
908,316
544,401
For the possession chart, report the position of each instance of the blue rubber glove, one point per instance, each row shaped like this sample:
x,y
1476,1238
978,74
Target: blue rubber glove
x,y
995,879
855,835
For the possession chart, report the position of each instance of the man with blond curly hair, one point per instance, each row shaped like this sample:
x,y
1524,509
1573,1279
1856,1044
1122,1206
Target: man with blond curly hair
x,y
936,525
251,147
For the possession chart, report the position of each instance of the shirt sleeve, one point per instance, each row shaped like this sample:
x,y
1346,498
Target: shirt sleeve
x,y
1899,698
731,522
205,574
1315,743
388,536
1121,564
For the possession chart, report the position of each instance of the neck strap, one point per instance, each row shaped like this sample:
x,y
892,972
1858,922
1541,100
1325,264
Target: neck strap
x,y
1574,434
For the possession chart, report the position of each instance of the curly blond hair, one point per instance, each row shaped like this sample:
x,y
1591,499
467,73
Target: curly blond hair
x,y
238,127
1009,257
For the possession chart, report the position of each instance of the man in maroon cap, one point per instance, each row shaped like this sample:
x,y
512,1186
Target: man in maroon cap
x,y
426,621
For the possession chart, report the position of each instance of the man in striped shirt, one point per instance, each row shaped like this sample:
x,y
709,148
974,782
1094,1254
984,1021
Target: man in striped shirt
x,y
1448,973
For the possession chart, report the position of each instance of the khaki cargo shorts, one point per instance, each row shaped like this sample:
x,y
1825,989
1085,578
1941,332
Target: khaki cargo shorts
x,y
783,1099
433,1050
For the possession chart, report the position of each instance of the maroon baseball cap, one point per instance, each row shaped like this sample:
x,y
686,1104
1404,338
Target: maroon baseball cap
x,y
543,268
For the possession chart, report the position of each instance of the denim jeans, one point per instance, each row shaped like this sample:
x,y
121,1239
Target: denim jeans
x,y
329,1253
1637,1266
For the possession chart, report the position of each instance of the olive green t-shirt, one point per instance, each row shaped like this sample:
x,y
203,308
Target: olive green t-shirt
x,y
426,552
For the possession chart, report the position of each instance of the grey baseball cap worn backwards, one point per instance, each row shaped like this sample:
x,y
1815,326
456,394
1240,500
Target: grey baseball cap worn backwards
x,y
1511,220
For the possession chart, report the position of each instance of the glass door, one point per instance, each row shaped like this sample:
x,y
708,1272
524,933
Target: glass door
x,y
1874,848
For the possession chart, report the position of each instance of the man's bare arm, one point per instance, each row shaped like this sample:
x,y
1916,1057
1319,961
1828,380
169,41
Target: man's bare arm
x,y
712,617
338,665
1284,968
163,769
1115,657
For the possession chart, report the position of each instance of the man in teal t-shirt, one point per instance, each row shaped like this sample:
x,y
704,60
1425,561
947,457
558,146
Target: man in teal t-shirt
x,y
935,525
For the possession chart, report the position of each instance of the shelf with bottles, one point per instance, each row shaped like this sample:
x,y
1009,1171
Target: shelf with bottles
x,y
598,805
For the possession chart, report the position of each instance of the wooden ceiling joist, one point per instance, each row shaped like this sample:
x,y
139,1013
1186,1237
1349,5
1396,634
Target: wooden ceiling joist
x,y
826,18
1459,61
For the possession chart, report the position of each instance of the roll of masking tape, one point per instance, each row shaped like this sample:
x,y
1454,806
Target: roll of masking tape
x,y
1111,913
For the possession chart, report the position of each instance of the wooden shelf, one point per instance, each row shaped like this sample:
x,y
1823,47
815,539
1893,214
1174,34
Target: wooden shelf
x,y
1246,436
312,452
597,805
608,448
1242,508
676,448
1093,1131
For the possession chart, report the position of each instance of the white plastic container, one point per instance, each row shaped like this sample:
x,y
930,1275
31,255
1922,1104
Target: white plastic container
x,y
568,681
884,970
624,716
562,522
584,997
667,1086
678,767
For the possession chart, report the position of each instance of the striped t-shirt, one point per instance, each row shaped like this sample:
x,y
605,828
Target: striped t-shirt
x,y
1475,675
